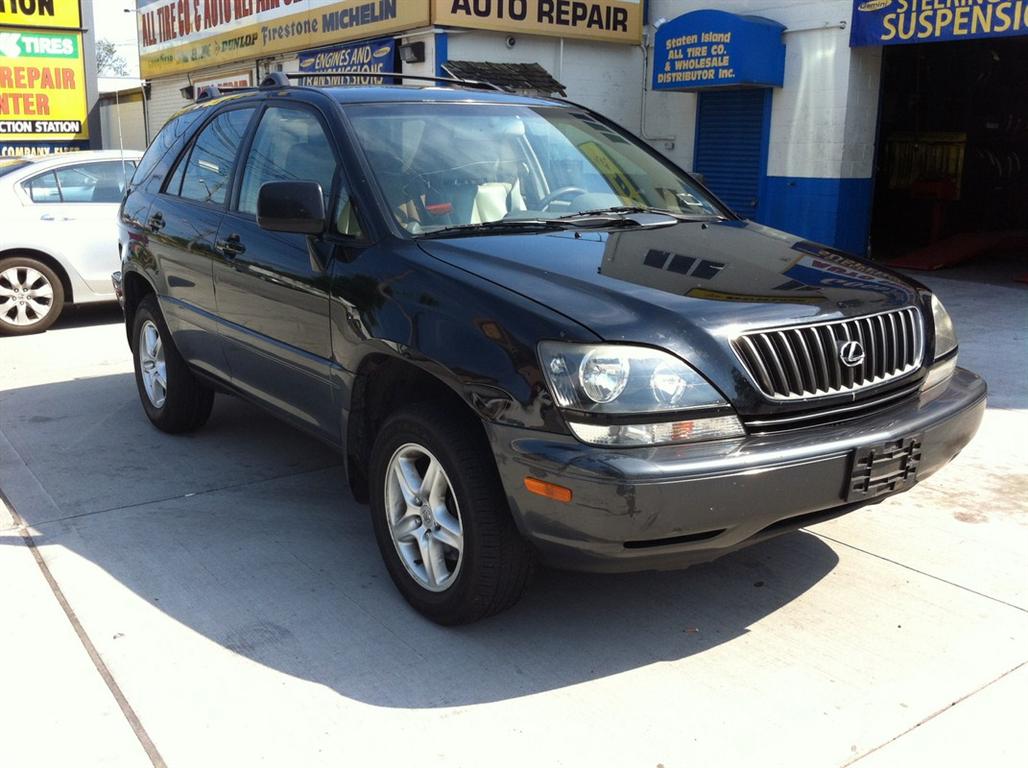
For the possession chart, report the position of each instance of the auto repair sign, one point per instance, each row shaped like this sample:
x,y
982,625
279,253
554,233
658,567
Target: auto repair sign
x,y
612,21
42,86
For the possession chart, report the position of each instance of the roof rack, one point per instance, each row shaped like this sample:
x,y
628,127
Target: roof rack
x,y
208,92
281,79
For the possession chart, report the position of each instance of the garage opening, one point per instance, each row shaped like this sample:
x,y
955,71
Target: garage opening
x,y
952,155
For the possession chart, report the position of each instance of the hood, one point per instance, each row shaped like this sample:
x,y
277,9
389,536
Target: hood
x,y
689,288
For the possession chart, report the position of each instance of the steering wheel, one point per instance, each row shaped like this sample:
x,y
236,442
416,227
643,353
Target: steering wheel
x,y
557,194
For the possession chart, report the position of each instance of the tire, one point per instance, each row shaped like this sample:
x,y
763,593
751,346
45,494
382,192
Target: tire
x,y
31,296
182,404
494,565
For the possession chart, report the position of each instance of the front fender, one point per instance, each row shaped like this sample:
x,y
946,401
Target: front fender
x,y
476,337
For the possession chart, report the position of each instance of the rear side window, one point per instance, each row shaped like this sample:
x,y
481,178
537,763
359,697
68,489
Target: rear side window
x,y
208,169
169,135
43,188
83,183
94,182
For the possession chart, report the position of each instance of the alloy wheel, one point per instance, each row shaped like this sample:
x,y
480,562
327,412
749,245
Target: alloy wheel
x,y
152,365
423,517
26,296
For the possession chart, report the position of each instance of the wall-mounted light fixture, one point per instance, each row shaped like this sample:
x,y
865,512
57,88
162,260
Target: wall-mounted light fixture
x,y
412,53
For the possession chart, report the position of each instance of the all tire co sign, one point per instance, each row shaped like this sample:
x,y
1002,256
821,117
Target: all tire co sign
x,y
42,77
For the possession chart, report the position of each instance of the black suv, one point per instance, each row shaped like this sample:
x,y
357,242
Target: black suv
x,y
531,336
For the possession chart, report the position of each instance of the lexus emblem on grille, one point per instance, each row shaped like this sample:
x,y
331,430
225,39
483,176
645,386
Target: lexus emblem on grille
x,y
851,353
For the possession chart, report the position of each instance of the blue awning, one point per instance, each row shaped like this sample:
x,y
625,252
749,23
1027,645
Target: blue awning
x,y
716,49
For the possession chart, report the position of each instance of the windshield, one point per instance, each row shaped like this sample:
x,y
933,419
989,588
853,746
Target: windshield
x,y
471,165
12,164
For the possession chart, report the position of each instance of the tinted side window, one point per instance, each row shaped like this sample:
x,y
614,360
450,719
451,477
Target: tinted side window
x,y
174,185
94,182
209,167
172,131
43,188
289,145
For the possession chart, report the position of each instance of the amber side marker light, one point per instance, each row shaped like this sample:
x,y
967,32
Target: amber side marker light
x,y
549,490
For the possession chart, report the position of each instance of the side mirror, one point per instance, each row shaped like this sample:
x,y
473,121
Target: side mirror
x,y
291,206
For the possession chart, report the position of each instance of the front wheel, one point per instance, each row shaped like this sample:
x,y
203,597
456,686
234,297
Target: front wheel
x,y
441,518
172,397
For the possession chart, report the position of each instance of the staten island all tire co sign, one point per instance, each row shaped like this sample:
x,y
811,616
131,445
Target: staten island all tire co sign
x,y
42,77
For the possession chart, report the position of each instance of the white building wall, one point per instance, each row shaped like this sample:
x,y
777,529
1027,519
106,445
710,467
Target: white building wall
x,y
823,121
122,121
602,76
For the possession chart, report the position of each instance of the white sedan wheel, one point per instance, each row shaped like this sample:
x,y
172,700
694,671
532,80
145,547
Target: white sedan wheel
x,y
26,296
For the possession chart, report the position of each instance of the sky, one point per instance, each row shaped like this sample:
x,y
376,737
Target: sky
x,y
112,23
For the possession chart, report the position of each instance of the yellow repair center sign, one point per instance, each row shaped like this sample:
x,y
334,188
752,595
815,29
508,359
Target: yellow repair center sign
x,y
42,86
45,14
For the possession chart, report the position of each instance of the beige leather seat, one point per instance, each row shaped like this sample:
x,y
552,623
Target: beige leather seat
x,y
494,200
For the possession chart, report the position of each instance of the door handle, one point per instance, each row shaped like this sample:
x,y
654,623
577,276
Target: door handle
x,y
230,247
156,222
47,217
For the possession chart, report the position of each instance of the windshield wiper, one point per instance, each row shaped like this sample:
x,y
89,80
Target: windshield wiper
x,y
605,218
497,227
538,225
624,210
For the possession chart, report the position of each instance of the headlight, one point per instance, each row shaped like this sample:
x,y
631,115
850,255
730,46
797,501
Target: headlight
x,y
609,393
945,333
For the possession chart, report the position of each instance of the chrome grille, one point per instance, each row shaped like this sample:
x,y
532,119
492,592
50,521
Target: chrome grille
x,y
806,361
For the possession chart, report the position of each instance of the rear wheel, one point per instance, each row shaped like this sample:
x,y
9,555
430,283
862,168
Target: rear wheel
x,y
441,518
31,296
172,397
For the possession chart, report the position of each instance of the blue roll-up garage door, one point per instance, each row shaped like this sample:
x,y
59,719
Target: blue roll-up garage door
x,y
731,145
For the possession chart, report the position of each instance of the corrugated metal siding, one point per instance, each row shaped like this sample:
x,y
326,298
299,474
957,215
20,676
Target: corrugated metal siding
x,y
166,99
729,141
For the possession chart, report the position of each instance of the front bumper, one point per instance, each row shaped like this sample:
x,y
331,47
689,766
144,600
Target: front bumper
x,y
672,506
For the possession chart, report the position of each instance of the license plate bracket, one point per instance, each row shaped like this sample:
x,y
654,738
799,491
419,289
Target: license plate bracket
x,y
884,468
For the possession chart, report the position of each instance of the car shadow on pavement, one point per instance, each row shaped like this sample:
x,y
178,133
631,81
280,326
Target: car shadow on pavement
x,y
82,315
246,534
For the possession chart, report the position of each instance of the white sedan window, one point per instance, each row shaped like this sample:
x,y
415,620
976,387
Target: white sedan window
x,y
43,188
102,182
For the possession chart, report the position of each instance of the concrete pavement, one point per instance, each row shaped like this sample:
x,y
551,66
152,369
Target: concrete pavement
x,y
233,594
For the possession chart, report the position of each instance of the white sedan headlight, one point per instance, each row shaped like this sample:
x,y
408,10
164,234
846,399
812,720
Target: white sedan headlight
x,y
612,393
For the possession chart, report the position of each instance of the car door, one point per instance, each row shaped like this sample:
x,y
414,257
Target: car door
x,y
74,210
183,226
272,287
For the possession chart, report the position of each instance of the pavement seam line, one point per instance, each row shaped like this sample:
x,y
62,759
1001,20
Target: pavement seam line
x,y
935,714
21,460
94,655
176,497
918,571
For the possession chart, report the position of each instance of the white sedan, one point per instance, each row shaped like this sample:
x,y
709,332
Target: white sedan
x,y
58,233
